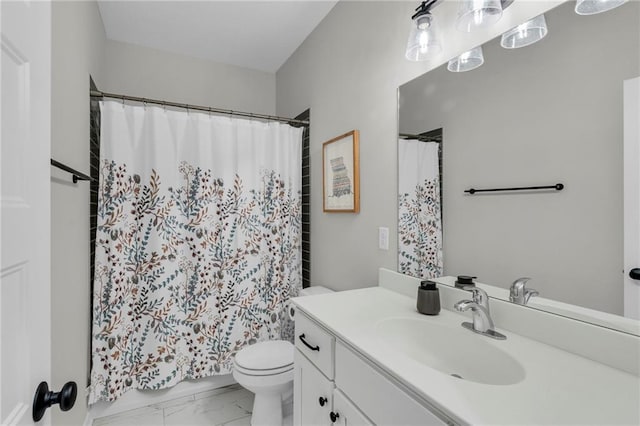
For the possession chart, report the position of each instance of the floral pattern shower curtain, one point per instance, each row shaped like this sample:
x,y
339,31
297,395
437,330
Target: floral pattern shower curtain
x,y
197,245
419,209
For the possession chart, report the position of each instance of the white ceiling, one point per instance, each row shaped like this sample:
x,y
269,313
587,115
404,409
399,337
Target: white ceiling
x,y
254,34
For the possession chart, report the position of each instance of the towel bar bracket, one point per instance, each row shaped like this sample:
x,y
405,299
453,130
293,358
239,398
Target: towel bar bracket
x,y
76,174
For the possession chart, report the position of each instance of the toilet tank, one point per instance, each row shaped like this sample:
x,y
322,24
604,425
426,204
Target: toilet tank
x,y
310,291
288,326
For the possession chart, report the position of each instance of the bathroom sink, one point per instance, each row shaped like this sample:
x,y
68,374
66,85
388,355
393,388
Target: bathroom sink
x,y
451,350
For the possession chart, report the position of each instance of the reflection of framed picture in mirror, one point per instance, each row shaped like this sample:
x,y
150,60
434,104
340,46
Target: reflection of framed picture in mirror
x,y
341,174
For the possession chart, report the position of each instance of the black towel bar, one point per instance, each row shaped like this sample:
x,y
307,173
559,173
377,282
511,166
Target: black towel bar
x,y
76,174
557,187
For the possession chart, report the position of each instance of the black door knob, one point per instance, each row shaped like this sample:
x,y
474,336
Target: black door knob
x,y
334,416
634,274
44,398
322,400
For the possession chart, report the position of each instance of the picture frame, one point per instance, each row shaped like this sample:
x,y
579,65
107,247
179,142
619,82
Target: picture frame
x,y
341,174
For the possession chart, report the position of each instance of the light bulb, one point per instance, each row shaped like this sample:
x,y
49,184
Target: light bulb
x,y
423,40
525,34
473,14
591,7
467,61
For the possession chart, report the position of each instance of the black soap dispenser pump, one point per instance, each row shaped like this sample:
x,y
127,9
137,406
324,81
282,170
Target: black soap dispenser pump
x,y
428,302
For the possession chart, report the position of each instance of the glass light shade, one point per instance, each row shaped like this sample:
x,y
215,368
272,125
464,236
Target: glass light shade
x,y
591,7
473,14
423,41
525,34
468,61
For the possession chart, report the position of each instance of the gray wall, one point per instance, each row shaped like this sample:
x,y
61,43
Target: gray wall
x,y
548,113
80,50
348,71
144,72
77,51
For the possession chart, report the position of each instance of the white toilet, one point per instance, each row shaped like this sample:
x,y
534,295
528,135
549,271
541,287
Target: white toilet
x,y
266,369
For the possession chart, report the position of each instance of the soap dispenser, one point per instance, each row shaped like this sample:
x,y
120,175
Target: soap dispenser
x,y
428,302
465,281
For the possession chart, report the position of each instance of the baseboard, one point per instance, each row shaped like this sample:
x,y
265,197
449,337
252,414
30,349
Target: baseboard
x,y
88,420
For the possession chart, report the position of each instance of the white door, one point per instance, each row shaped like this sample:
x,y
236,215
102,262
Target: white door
x,y
632,198
25,89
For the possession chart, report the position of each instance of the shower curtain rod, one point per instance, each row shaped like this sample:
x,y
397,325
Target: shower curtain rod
x,y
99,94
419,137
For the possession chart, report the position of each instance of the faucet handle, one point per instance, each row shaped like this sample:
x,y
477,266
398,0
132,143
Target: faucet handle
x,y
478,295
520,283
518,293
529,293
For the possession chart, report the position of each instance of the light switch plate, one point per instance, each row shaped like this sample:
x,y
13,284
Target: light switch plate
x,y
383,238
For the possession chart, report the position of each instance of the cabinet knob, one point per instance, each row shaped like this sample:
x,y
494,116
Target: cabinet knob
x,y
322,400
334,416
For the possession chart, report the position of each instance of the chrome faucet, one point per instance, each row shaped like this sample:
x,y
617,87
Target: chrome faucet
x,y
479,306
519,294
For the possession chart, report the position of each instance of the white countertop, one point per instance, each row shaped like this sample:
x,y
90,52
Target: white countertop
x,y
559,387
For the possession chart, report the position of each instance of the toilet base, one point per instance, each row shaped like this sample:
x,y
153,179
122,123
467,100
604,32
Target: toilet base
x,y
267,410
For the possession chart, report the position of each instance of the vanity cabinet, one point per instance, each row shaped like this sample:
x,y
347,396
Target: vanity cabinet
x,y
312,393
376,394
313,373
347,413
335,385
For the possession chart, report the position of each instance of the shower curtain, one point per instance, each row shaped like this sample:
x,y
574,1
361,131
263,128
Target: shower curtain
x,y
197,243
419,209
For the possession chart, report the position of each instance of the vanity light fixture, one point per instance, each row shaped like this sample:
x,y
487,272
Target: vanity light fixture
x,y
424,42
474,14
468,61
591,7
525,34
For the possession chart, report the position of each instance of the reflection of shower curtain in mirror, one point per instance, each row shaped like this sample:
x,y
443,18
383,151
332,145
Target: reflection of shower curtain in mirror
x,y
197,244
419,218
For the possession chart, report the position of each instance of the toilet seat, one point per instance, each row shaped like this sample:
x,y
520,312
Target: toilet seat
x,y
268,372
265,358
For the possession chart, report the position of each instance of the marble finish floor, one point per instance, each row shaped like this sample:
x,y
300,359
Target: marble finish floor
x,y
229,406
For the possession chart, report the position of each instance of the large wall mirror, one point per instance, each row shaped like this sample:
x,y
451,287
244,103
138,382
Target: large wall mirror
x,y
548,113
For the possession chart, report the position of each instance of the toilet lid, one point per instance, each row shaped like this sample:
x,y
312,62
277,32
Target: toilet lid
x,y
263,356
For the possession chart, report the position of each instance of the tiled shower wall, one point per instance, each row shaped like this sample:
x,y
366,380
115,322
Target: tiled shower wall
x,y
94,164
306,203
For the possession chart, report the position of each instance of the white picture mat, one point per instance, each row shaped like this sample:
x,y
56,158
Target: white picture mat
x,y
340,148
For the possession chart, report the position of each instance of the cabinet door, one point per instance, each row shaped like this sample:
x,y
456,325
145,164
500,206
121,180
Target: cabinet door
x,y
379,396
312,394
345,413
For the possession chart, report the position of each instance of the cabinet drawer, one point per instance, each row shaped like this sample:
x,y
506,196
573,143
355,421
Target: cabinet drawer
x,y
373,393
316,344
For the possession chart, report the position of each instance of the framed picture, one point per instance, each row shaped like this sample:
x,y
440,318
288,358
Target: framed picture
x,y
341,174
